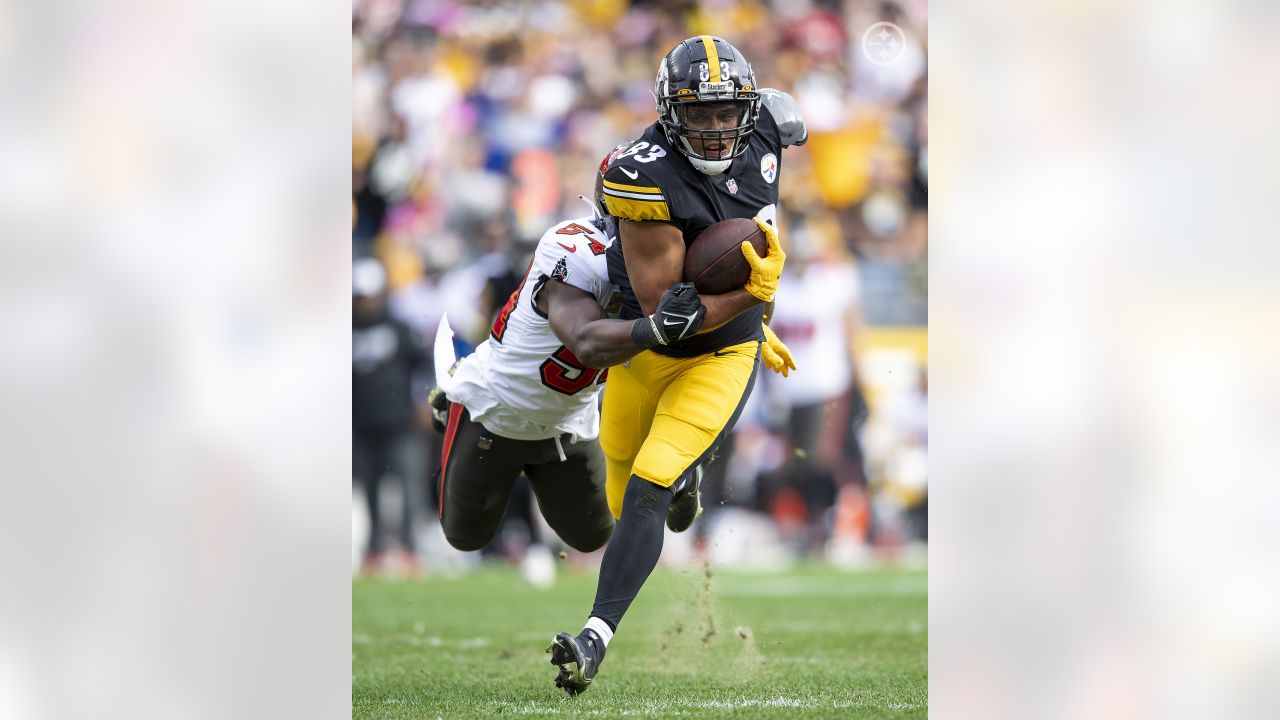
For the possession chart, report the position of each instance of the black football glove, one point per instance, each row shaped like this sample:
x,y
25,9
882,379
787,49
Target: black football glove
x,y
680,314
439,409
440,403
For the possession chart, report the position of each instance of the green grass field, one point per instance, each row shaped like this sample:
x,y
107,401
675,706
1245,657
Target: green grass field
x,y
809,643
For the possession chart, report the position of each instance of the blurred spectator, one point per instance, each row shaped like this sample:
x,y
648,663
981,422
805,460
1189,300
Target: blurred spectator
x,y
386,435
899,436
818,315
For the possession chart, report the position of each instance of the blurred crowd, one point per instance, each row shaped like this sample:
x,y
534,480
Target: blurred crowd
x,y
477,125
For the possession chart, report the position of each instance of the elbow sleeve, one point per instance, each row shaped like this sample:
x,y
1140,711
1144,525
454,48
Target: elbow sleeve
x,y
786,113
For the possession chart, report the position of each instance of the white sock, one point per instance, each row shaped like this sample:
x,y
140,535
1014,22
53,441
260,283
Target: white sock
x,y
600,628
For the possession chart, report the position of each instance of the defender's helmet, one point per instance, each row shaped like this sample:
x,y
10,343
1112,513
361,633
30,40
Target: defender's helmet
x,y
604,165
706,69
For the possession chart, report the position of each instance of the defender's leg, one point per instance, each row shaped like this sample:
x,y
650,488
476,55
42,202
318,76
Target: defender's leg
x,y
571,496
478,471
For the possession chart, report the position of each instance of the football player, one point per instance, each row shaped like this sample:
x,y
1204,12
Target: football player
x,y
526,399
713,154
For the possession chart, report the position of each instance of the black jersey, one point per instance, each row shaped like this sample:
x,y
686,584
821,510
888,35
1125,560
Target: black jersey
x,y
653,181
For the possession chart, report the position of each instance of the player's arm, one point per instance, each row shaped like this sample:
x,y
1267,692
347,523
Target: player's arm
x,y
654,252
581,324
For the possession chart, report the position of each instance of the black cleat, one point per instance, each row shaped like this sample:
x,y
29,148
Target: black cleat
x,y
576,658
686,507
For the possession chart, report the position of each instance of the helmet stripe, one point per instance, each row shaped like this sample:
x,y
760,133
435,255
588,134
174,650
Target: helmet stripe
x,y
713,58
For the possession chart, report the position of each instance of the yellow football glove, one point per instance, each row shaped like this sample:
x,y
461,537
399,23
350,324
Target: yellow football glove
x,y
776,355
766,270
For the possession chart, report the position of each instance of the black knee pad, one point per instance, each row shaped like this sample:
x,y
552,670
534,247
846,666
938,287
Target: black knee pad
x,y
646,500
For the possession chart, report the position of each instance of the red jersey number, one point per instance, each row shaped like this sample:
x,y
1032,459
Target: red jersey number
x,y
565,373
575,229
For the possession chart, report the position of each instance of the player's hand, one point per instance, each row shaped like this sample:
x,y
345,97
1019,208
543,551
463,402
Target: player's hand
x,y
776,355
680,314
766,270
439,409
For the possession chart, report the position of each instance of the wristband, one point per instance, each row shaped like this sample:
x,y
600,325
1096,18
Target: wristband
x,y
644,333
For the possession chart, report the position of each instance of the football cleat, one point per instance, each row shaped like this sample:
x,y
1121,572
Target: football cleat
x,y
576,658
687,505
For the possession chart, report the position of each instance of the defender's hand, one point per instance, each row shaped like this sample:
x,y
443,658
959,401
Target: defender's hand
x,y
766,270
775,354
439,409
680,314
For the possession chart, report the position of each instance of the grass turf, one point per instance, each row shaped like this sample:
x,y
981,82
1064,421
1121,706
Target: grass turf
x,y
808,643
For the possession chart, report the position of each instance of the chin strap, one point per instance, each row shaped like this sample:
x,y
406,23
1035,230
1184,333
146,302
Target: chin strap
x,y
709,167
706,167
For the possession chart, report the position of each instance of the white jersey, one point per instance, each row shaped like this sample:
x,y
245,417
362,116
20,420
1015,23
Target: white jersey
x,y
522,383
809,318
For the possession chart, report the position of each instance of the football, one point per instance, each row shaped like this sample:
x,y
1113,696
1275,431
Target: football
x,y
714,262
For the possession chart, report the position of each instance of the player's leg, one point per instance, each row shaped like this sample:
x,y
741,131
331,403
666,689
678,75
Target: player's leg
x,y
709,473
628,560
702,399
630,398
698,408
478,470
571,495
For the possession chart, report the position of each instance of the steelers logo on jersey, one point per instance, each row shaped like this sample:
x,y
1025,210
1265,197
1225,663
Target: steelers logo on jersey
x,y
769,168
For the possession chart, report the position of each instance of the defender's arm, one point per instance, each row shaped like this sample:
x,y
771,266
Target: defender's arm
x,y
583,326
578,321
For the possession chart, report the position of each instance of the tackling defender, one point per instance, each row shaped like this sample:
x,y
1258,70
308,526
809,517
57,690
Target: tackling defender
x,y
526,400
713,154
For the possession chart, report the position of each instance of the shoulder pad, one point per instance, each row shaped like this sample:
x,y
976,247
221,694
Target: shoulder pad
x,y
630,194
786,113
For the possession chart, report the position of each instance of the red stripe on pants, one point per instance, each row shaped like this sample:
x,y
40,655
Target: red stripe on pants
x,y
455,415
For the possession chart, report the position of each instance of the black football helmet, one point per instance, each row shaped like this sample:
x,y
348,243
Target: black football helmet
x,y
706,69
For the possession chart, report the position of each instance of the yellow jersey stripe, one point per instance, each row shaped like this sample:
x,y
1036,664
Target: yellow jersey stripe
x,y
630,209
713,57
633,188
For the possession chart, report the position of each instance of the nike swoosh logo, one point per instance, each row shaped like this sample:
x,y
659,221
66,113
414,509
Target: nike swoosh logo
x,y
629,173
668,322
726,352
570,248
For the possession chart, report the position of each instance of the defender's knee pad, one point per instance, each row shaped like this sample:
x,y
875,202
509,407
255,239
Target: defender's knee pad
x,y
466,542
588,542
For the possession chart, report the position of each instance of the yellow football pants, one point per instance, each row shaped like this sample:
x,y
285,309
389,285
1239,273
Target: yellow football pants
x,y
662,415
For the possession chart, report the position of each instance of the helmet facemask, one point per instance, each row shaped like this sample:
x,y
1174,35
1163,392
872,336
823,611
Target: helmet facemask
x,y
693,127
